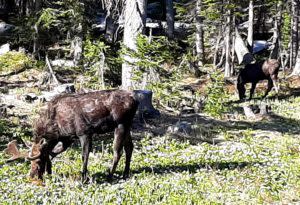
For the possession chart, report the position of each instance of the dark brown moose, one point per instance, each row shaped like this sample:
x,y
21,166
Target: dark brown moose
x,y
72,116
253,73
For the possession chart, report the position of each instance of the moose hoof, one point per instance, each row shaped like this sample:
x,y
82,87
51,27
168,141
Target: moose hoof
x,y
109,177
85,179
125,176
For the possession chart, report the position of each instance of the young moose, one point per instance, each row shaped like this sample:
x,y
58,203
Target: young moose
x,y
253,73
72,116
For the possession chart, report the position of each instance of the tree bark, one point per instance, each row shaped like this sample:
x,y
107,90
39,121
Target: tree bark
x,y
217,47
250,25
101,70
276,35
227,44
199,34
241,50
77,45
296,70
135,19
170,18
232,51
145,108
294,30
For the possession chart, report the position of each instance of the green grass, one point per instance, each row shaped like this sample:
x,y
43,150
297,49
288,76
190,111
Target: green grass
x,y
13,61
259,163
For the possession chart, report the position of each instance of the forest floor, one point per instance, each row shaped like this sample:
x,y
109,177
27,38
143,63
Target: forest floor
x,y
250,162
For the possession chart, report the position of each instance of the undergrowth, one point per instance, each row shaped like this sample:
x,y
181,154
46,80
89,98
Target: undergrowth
x,y
14,61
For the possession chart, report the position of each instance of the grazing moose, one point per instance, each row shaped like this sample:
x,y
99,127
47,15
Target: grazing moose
x,y
253,73
72,116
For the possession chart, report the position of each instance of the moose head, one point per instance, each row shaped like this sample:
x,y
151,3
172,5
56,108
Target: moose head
x,y
39,162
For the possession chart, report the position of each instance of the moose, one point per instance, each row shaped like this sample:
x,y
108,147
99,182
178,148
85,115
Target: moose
x,y
253,73
71,116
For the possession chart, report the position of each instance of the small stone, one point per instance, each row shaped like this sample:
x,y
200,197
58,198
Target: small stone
x,y
30,97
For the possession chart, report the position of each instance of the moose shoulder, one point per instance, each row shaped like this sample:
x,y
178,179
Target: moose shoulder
x,y
72,116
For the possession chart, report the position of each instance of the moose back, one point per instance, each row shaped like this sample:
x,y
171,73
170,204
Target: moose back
x,y
72,116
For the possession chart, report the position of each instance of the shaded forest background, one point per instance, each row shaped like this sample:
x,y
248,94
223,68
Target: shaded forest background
x,y
221,35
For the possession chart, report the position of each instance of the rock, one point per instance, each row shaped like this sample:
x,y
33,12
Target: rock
x,y
264,109
4,48
3,109
254,108
248,112
29,97
256,111
47,96
63,63
181,127
65,88
100,23
60,89
187,110
6,29
260,45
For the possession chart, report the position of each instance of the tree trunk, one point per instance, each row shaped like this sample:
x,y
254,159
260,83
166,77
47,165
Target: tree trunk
x,y
101,70
276,35
77,45
145,109
227,45
170,18
294,30
135,19
36,45
199,34
217,47
221,61
232,52
241,50
296,70
250,25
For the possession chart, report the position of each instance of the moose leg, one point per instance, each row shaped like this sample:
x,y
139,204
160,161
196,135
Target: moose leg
x,y
270,85
275,83
42,168
45,162
253,85
48,165
241,89
128,146
118,145
86,145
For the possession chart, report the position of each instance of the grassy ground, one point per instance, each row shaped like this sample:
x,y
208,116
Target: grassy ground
x,y
257,163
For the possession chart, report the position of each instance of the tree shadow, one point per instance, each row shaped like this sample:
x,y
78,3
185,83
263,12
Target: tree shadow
x,y
101,177
289,93
272,122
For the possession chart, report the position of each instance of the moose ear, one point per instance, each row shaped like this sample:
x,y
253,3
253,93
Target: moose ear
x,y
58,148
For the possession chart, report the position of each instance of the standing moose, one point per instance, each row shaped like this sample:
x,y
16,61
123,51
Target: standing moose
x,y
72,116
253,73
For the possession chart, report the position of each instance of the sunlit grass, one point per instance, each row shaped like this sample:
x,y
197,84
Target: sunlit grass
x,y
253,166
